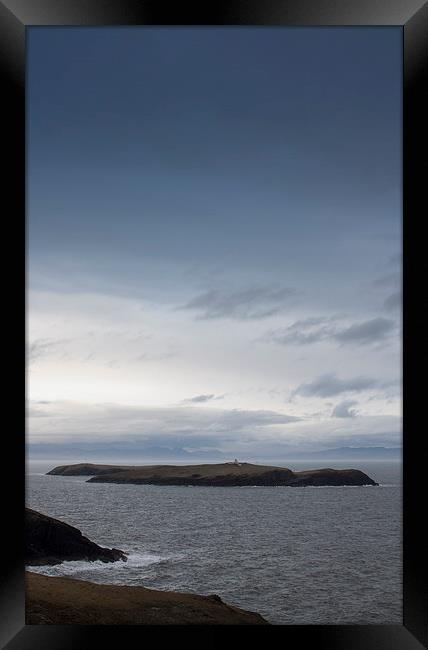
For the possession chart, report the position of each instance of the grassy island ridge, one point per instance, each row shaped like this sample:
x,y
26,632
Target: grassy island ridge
x,y
215,474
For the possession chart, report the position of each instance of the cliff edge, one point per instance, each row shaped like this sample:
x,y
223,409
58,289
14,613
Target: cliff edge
x,y
51,541
66,601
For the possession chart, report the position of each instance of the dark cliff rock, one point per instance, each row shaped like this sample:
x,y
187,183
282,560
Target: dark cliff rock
x,y
50,541
222,474
332,477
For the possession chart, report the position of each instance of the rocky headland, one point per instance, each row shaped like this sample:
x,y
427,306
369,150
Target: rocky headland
x,y
51,541
220,474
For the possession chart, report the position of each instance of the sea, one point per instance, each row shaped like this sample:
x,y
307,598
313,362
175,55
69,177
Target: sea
x,y
298,556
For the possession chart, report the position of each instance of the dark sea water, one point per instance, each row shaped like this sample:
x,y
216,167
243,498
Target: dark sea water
x,y
295,555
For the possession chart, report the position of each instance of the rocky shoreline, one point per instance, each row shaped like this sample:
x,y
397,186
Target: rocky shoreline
x,y
66,601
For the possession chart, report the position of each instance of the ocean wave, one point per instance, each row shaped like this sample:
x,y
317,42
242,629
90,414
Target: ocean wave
x,y
72,567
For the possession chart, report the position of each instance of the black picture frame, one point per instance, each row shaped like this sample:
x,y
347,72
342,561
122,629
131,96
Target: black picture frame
x,y
412,17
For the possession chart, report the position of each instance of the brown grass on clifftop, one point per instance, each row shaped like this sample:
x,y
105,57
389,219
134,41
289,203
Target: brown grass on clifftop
x,y
66,601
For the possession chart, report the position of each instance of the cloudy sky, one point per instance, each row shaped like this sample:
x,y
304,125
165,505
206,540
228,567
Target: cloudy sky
x,y
214,237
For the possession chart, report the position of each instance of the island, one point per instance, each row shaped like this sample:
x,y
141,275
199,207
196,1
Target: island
x,y
232,474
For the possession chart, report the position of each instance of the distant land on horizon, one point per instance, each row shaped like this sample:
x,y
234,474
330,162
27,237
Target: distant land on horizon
x,y
97,451
387,453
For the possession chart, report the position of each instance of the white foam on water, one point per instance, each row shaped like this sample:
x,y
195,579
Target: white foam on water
x,y
73,567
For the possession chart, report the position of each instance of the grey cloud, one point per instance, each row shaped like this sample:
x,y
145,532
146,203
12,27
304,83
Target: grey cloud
x,y
303,332
329,385
314,330
371,331
344,410
104,421
253,303
199,399
393,302
43,347
237,419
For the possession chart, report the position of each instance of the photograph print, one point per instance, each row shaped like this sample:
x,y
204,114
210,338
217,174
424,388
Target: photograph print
x,y
214,342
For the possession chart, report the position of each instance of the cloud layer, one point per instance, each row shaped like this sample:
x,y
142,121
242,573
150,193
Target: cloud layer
x,y
202,399
371,331
330,385
344,409
252,303
315,330
193,429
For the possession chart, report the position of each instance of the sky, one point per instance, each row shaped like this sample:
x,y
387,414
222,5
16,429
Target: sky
x,y
214,239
